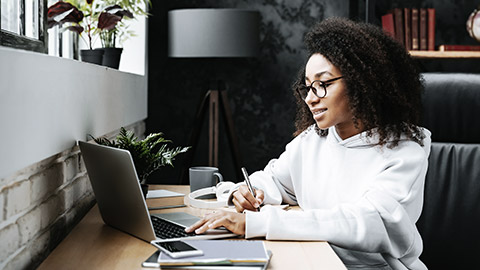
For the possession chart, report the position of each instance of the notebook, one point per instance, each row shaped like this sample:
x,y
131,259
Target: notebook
x,y
121,202
152,262
221,252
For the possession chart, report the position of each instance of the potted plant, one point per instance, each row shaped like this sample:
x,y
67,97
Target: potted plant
x,y
110,26
98,19
149,154
81,19
113,26
62,13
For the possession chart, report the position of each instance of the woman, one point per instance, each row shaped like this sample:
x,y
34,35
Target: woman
x,y
358,162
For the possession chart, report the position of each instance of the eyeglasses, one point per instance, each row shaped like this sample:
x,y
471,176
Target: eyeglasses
x,y
319,88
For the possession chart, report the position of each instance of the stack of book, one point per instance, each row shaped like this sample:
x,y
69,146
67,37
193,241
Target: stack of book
x,y
162,199
414,28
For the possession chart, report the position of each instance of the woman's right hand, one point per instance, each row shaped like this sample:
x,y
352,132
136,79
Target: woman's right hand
x,y
244,200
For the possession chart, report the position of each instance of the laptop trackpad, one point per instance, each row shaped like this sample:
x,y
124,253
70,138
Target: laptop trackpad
x,y
185,220
180,218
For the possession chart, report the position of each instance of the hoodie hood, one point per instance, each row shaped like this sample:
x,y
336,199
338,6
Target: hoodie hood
x,y
361,140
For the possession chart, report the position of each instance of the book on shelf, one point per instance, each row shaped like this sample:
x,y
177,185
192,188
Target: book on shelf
x,y
161,198
398,18
407,20
431,29
423,29
221,253
449,47
388,24
414,28
415,41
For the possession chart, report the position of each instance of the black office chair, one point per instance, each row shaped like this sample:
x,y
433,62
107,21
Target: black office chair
x,y
450,221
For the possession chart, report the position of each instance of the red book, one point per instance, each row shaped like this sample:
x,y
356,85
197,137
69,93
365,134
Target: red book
x,y
415,43
431,29
388,25
407,21
398,16
445,48
423,29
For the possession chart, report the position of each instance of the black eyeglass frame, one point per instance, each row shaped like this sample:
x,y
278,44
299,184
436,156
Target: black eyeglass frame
x,y
304,89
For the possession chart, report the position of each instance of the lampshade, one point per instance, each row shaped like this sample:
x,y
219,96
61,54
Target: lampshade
x,y
213,33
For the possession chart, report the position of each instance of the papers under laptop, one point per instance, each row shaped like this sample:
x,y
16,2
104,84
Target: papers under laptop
x,y
121,202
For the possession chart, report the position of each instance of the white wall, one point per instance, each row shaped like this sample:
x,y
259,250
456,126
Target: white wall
x,y
42,203
47,103
134,50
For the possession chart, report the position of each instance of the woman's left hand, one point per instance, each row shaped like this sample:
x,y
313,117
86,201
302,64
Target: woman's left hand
x,y
234,222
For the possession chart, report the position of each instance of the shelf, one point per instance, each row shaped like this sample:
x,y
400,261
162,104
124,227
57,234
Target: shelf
x,y
448,54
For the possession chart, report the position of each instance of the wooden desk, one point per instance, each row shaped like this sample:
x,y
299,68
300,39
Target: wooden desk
x,y
94,245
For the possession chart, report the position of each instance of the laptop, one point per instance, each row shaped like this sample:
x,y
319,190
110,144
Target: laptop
x,y
121,202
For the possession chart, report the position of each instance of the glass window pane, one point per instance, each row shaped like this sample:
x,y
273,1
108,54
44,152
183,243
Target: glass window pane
x,y
11,15
31,18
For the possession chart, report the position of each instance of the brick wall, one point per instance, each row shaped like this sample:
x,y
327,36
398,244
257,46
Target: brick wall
x,y
41,204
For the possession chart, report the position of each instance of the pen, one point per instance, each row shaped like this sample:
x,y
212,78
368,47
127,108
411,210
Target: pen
x,y
249,185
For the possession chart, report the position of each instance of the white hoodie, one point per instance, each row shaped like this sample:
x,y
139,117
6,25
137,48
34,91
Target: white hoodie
x,y
362,198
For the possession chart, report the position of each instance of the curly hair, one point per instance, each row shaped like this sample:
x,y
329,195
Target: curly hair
x,y
383,84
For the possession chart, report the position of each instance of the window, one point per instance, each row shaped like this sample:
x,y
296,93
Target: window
x,y
23,24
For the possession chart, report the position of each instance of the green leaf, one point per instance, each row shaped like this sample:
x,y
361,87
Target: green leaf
x,y
149,154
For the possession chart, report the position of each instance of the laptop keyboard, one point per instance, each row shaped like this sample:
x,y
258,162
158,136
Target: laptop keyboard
x,y
168,230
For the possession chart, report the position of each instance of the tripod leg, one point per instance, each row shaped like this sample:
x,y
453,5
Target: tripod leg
x,y
195,135
232,136
213,129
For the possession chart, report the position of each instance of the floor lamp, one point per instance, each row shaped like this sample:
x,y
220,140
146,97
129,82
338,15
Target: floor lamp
x,y
213,33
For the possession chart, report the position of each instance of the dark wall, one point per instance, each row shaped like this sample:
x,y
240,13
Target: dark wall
x,y
259,88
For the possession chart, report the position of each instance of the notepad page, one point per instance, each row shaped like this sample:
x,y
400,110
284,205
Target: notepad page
x,y
162,193
222,251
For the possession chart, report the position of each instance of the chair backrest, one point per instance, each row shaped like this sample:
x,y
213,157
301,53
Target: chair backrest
x,y
450,221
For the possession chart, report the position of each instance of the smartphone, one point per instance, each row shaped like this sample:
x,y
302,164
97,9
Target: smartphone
x,y
152,261
177,249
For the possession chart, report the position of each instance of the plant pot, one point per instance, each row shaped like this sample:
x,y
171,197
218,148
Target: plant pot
x,y
111,57
144,190
92,56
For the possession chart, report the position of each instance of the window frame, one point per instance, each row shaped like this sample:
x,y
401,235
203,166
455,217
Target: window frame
x,y
19,41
